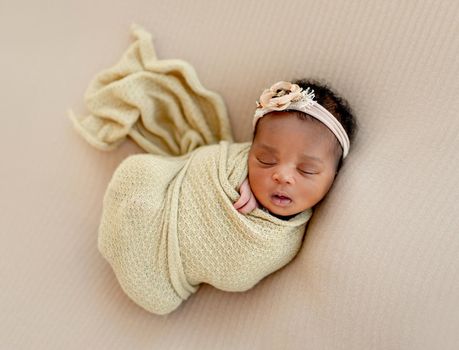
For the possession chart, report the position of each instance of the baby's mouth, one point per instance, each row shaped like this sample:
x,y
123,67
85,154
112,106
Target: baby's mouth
x,y
280,199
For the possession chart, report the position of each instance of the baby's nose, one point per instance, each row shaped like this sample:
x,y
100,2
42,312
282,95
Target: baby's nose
x,y
283,177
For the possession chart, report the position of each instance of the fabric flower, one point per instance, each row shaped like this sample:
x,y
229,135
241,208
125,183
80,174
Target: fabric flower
x,y
279,96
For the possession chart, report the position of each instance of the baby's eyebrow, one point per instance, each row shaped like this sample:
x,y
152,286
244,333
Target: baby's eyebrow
x,y
269,148
306,156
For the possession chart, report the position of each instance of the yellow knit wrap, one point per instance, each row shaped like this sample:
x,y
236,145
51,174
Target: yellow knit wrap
x,y
168,222
160,104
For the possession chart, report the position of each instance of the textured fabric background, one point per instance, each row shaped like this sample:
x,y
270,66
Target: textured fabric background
x,y
379,268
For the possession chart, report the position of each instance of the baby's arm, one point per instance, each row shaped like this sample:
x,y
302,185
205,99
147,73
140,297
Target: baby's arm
x,y
247,201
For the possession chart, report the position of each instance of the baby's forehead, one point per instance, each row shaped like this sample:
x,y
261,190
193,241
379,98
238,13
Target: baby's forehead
x,y
305,132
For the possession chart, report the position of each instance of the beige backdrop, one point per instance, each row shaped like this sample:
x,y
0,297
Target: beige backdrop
x,y
379,268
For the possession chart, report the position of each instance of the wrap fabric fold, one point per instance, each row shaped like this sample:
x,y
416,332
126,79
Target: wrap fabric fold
x,y
160,104
168,223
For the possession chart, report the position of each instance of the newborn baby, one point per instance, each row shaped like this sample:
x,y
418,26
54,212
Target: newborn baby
x,y
226,214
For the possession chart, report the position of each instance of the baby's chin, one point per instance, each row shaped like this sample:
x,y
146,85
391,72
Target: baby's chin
x,y
284,216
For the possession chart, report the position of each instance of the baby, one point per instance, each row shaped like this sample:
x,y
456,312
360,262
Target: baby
x,y
297,148
170,224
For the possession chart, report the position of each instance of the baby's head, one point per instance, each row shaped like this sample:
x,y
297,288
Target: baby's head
x,y
295,157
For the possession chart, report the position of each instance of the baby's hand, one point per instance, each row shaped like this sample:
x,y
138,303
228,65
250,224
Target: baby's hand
x,y
247,201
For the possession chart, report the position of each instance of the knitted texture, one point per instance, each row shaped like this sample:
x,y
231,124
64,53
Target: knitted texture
x,y
160,104
168,224
168,221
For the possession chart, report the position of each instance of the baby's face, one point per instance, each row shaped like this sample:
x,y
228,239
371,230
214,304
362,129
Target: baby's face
x,y
292,163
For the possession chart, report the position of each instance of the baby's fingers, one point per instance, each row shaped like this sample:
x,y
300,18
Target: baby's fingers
x,y
245,195
249,206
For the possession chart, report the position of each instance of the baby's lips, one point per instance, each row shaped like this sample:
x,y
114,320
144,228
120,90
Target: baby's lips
x,y
281,194
281,199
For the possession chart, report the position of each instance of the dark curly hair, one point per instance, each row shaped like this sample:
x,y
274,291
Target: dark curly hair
x,y
335,104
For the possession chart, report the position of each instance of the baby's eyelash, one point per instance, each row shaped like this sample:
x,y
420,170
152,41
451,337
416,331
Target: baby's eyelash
x,y
306,172
265,163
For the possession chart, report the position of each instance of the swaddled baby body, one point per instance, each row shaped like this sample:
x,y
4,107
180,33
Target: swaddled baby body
x,y
226,214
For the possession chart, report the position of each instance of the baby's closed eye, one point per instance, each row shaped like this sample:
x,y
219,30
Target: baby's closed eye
x,y
264,162
308,171
267,160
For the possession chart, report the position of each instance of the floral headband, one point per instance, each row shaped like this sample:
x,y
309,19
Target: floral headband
x,y
284,95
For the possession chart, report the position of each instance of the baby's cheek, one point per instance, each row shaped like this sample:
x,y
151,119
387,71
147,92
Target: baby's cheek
x,y
257,184
310,195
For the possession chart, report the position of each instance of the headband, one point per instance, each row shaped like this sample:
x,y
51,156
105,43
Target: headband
x,y
284,95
